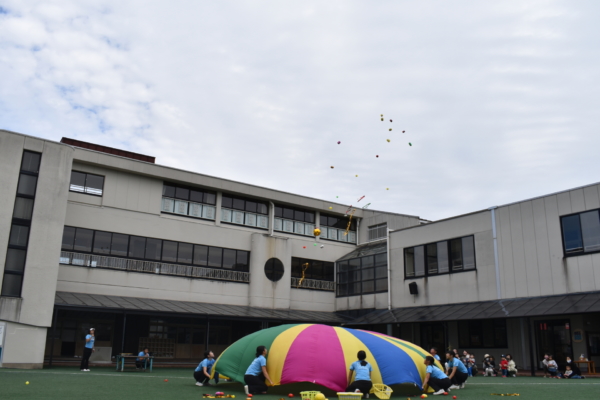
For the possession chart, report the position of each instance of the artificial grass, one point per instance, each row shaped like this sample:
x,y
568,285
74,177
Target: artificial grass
x,y
103,383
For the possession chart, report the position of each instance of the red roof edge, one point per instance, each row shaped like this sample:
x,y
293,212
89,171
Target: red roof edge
x,y
108,150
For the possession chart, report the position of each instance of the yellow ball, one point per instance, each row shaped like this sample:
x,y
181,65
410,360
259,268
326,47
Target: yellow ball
x,y
316,232
319,396
27,383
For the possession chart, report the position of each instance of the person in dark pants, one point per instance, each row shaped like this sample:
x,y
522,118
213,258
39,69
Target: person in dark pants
x,y
143,359
203,370
458,372
257,373
362,382
435,378
88,350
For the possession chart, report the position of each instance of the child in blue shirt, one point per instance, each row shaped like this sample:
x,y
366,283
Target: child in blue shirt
x,y
143,359
203,370
257,373
458,372
362,381
435,377
88,350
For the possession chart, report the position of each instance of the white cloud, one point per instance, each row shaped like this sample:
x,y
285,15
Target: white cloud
x,y
499,101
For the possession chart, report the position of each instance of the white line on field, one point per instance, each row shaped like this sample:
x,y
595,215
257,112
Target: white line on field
x,y
88,374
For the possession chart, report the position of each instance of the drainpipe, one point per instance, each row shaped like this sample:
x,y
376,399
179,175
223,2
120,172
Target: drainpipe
x,y
389,270
358,231
271,218
496,263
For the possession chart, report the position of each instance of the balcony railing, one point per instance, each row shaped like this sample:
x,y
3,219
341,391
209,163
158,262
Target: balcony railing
x,y
123,264
313,284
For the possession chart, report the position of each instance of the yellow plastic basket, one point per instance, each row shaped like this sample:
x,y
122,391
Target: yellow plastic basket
x,y
381,391
349,396
309,395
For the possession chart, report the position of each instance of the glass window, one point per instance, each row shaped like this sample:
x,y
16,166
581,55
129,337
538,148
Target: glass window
x,y
215,257
168,190
94,183
274,269
23,208
77,181
11,285
324,220
299,215
137,247
184,254
590,228
251,206
239,204
227,202
442,253
242,261
153,249
196,196
31,162
456,254
229,258
169,253
119,244
83,240
27,185
68,238
200,255
15,260
419,260
288,213
182,193
262,208
210,198
468,251
102,242
278,212
409,262
432,258
572,234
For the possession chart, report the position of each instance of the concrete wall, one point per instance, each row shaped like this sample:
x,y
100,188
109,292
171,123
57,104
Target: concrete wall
x,y
23,346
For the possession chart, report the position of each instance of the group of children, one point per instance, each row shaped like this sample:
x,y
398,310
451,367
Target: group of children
x,y
505,368
571,370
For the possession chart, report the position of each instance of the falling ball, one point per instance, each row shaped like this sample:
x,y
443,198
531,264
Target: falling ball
x,y
27,383
390,129
332,167
303,247
403,131
316,231
382,115
387,188
331,208
356,176
382,119
409,143
377,156
386,139
339,142
166,380
322,246
391,120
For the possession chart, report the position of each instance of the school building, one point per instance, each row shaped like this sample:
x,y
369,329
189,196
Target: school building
x,y
180,262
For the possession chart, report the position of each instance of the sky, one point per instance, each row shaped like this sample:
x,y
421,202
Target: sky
x,y
499,100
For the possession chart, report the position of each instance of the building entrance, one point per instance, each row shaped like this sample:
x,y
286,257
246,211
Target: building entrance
x,y
554,337
434,335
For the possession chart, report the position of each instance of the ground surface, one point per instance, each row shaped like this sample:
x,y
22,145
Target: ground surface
x,y
105,383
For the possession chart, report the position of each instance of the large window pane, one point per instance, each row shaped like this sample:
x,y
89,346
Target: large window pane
x,y
94,184
18,235
368,273
184,254
182,193
442,253
31,162
119,245
102,242
278,212
242,261
328,268
215,255
27,185
137,247
456,254
153,249
288,213
229,257
15,260
419,260
468,250
196,196
169,253
316,270
432,260
23,208
409,262
590,227
381,259
381,272
210,198
226,202
11,285
368,287
381,285
200,255
572,234
309,217
77,181
251,206
168,190
68,238
238,204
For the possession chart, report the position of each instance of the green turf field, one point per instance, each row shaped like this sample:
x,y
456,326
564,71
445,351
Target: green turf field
x,y
105,383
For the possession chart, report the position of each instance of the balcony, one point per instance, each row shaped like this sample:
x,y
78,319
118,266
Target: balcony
x,y
313,284
149,267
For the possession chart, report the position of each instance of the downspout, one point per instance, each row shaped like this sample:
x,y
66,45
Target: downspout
x,y
271,218
389,271
496,263
358,231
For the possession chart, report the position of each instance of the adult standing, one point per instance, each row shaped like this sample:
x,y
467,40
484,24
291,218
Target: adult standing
x,y
203,370
458,372
88,350
435,378
362,381
257,373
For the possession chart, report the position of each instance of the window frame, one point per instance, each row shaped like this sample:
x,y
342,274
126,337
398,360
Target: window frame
x,y
84,191
581,252
376,227
358,273
450,270
301,261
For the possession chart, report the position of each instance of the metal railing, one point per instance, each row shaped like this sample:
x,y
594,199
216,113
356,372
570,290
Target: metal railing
x,y
123,264
313,284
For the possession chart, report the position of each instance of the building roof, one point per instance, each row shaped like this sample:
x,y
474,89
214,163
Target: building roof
x,y
108,150
510,308
366,250
141,305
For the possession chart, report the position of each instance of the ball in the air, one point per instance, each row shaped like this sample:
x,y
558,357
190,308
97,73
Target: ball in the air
x,y
27,383
319,396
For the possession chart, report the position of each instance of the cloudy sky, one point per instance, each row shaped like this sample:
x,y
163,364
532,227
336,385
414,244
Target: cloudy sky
x,y
500,100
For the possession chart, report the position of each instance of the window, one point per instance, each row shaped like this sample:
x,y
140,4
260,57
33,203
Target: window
x,y
333,227
487,333
440,258
243,211
18,239
142,248
581,233
83,182
274,269
294,220
189,201
313,269
378,231
362,275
